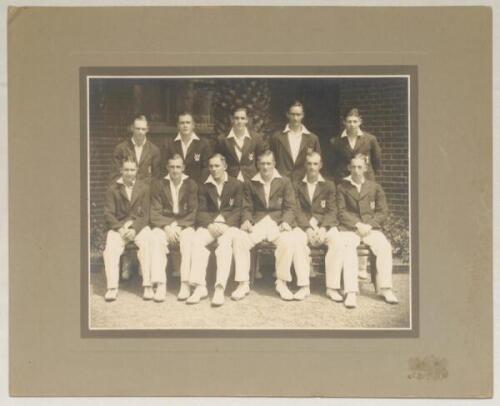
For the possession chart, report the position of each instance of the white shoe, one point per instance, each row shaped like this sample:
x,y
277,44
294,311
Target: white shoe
x,y
241,291
350,300
148,293
302,293
335,295
184,291
283,290
389,296
111,295
218,298
200,292
160,292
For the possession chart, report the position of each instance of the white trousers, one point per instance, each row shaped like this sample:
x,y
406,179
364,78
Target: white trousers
x,y
290,248
160,249
223,255
382,249
115,246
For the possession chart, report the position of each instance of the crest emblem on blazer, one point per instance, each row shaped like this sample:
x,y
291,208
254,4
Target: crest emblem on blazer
x,y
372,205
309,150
250,156
323,204
149,168
197,157
231,201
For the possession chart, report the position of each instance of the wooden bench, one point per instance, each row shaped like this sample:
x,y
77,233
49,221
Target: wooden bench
x,y
317,255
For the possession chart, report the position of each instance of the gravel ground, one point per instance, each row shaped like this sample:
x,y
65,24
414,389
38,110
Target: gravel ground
x,y
261,309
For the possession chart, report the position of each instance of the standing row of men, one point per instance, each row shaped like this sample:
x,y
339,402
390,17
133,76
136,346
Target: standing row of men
x,y
228,198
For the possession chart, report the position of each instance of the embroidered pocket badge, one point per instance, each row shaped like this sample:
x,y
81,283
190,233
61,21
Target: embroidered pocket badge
x,y
372,205
250,156
231,201
323,204
149,168
309,150
197,157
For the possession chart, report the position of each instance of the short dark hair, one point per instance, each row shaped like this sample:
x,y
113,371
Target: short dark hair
x,y
313,153
175,157
240,109
353,112
217,155
128,158
185,113
266,153
139,117
296,103
363,157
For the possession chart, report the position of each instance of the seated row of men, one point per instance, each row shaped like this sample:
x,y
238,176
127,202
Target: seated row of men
x,y
238,215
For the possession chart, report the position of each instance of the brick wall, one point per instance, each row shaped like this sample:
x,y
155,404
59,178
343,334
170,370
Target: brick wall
x,y
383,103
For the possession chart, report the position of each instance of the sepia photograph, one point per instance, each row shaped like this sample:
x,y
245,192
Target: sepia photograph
x,y
248,202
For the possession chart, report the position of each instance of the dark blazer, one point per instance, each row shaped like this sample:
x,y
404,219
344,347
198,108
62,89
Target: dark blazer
x,y
196,159
118,209
284,163
149,165
230,207
282,204
162,204
323,206
252,147
342,152
369,206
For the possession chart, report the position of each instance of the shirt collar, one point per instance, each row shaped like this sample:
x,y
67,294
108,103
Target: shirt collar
x,y
183,177
320,179
303,129
259,179
211,179
193,137
233,135
135,144
349,179
121,182
344,133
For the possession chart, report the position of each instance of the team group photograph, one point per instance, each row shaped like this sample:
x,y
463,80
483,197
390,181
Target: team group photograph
x,y
214,197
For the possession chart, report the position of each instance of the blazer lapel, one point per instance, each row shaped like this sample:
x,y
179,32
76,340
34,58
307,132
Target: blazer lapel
x,y
145,152
303,190
123,193
284,140
135,192
364,190
191,147
212,192
318,190
303,143
231,146
275,186
259,191
168,193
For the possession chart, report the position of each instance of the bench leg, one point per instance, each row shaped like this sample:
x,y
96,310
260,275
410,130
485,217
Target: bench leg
x,y
373,270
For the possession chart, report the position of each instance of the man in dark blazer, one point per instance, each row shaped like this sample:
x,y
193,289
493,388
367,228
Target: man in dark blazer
x,y
268,213
145,152
362,211
241,147
291,145
317,225
174,205
218,219
354,141
127,217
194,150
